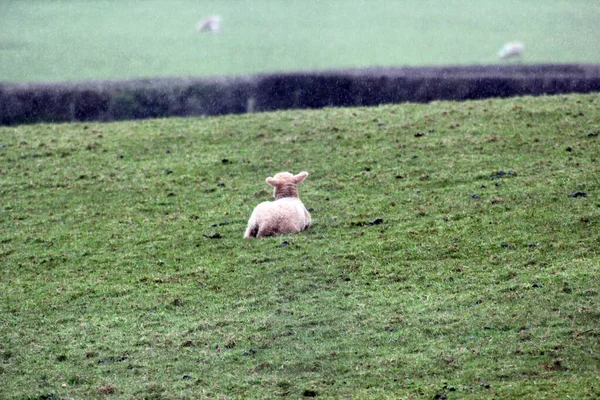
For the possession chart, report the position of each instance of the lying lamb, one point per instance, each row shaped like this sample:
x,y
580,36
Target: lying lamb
x,y
285,215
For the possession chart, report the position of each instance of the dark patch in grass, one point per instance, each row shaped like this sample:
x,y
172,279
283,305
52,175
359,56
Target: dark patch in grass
x,y
187,378
284,244
501,174
177,303
376,221
593,134
250,352
578,194
220,224
220,184
310,393
262,260
107,389
569,149
592,332
260,194
556,365
49,396
215,235
113,359
525,328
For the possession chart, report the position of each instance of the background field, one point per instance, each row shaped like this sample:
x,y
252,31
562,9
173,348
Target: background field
x,y
78,40
481,281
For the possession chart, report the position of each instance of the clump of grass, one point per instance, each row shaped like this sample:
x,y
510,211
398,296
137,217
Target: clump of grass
x,y
447,256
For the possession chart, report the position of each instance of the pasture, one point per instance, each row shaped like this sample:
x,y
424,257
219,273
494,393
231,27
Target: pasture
x,y
454,253
66,40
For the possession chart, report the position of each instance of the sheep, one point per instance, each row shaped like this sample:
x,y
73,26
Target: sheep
x,y
209,24
512,49
283,216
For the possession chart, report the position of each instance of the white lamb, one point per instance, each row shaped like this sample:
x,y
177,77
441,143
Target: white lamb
x,y
283,216
512,49
209,24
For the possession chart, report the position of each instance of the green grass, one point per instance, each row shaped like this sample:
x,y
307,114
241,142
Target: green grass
x,y
109,288
58,40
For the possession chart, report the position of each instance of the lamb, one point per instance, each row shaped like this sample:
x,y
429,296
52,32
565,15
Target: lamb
x,y
209,24
512,49
283,216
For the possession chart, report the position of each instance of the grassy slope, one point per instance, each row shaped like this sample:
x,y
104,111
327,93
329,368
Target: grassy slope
x,y
57,40
109,288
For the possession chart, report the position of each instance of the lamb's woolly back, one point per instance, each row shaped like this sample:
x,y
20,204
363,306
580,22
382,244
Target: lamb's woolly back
x,y
286,214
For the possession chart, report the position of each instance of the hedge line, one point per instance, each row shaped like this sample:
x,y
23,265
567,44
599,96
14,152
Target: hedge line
x,y
152,98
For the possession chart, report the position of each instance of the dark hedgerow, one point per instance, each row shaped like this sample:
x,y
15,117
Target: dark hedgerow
x,y
157,98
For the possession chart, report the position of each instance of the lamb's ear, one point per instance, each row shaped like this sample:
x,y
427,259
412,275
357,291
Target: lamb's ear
x,y
300,177
272,182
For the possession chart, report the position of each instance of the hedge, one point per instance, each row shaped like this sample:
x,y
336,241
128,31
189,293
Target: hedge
x,y
163,97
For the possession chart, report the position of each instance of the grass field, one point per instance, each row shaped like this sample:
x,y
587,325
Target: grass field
x,y
60,40
481,282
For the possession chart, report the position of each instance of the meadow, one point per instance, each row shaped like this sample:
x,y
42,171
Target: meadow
x,y
454,253
73,40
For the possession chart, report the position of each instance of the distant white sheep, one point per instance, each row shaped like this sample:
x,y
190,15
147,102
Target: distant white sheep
x,y
512,49
283,216
209,24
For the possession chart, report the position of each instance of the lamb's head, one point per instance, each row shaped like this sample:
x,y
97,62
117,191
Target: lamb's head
x,y
286,184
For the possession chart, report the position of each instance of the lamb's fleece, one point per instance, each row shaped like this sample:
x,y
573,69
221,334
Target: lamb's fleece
x,y
283,216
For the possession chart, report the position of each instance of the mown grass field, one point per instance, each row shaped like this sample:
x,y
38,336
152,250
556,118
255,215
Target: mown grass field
x,y
65,40
481,282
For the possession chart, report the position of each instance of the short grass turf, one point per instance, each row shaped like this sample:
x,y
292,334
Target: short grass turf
x,y
72,40
454,252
